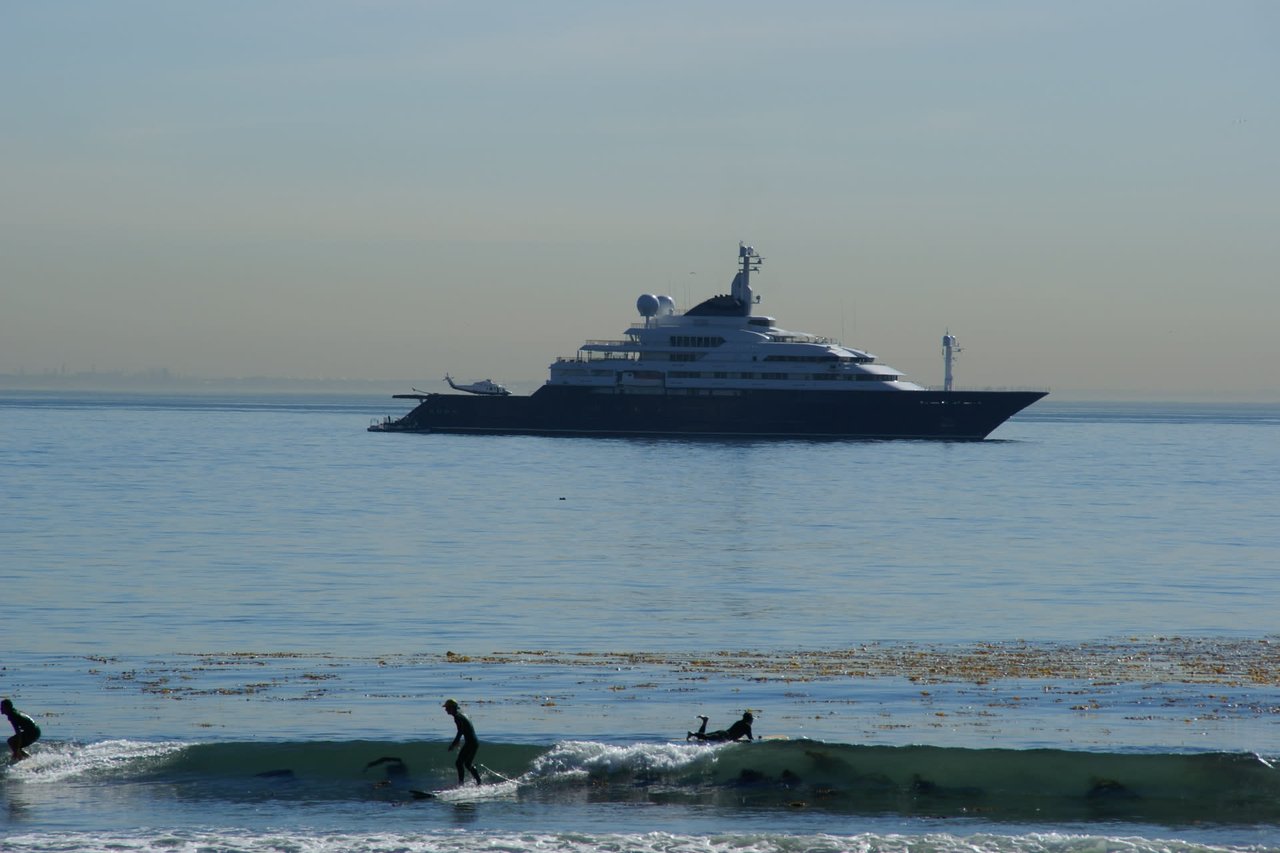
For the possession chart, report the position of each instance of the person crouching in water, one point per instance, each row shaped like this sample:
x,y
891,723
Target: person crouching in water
x,y
470,744
25,730
737,731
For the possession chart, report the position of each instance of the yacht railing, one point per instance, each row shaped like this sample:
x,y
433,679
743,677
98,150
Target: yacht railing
x,y
988,388
590,356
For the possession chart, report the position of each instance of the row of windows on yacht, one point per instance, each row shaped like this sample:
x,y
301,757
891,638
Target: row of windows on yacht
x,y
823,358
793,377
727,374
690,341
715,340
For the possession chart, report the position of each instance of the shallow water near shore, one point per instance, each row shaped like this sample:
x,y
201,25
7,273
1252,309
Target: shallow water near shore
x,y
259,578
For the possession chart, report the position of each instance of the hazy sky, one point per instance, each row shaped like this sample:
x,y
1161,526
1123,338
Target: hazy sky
x,y
1086,193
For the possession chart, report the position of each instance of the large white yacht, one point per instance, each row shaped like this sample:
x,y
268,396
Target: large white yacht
x,y
720,370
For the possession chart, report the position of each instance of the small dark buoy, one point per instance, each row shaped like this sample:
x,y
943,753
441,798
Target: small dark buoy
x,y
562,499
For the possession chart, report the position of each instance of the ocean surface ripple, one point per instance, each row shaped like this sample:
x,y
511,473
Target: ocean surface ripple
x,y
236,617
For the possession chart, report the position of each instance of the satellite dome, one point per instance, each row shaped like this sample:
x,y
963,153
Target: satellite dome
x,y
647,305
666,305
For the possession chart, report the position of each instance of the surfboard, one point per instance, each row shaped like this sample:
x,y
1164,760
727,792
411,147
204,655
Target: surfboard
x,y
467,793
759,739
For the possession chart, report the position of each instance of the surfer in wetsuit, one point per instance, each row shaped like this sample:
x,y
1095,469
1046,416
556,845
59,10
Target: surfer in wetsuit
x,y
737,731
470,744
25,730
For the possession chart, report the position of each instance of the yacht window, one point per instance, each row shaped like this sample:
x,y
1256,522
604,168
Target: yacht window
x,y
806,358
703,341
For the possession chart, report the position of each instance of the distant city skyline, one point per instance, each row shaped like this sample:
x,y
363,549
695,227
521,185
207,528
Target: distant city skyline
x,y
1087,195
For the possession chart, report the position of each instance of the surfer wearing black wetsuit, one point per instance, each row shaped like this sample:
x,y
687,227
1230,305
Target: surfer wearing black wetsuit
x,y
470,744
25,730
737,731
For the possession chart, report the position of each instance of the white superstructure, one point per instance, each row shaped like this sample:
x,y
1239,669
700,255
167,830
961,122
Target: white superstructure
x,y
720,346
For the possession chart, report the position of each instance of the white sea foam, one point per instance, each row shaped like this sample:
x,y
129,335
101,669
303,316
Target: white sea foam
x,y
592,757
653,842
478,793
60,762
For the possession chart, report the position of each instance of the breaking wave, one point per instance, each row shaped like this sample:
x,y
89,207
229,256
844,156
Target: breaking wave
x,y
654,842
994,784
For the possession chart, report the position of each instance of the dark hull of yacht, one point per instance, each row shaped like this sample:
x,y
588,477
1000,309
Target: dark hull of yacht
x,y
579,411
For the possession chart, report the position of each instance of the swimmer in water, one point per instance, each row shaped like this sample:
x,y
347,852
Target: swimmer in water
x,y
737,731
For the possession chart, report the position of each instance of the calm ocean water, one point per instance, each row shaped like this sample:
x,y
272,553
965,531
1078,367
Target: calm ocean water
x,y
221,609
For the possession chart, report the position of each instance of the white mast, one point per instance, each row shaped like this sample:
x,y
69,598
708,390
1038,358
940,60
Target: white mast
x,y
742,281
949,348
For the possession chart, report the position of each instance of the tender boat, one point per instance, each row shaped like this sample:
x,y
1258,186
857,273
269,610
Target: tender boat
x,y
719,370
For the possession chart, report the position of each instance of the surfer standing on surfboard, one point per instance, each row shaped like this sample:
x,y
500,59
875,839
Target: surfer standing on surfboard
x,y
737,731
25,730
470,743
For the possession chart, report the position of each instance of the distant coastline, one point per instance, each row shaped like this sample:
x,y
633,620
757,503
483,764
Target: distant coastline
x,y
164,381
167,382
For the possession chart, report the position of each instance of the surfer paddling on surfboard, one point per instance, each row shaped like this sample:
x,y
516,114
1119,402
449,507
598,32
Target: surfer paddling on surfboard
x,y
25,730
470,744
737,731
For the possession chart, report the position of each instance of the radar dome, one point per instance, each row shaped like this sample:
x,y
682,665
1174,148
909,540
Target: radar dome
x,y
666,305
647,305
